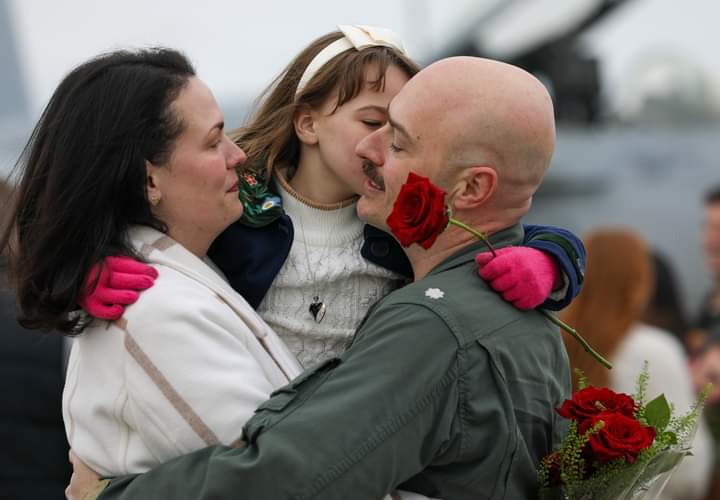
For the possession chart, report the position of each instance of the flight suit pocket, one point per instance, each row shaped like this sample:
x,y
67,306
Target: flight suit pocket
x,y
313,372
278,400
282,397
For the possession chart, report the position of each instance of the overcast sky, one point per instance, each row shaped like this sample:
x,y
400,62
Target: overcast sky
x,y
238,46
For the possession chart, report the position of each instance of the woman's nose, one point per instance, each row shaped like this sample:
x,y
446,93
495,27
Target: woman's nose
x,y
237,156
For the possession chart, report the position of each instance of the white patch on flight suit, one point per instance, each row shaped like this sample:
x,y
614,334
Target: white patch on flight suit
x,y
434,293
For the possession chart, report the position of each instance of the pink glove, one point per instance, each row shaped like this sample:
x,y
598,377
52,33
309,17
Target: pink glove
x,y
523,276
121,279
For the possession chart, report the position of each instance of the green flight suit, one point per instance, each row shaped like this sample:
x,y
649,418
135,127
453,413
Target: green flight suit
x,y
447,390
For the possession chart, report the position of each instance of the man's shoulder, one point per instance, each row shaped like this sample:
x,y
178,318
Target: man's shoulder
x,y
404,320
468,306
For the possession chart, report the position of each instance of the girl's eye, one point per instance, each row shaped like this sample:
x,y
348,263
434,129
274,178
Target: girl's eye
x,y
372,123
394,148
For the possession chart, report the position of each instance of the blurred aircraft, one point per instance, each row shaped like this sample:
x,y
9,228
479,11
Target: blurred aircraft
x,y
543,37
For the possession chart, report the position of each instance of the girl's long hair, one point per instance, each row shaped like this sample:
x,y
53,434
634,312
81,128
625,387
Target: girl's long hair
x,y
269,138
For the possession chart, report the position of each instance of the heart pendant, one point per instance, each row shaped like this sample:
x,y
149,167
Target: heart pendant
x,y
317,309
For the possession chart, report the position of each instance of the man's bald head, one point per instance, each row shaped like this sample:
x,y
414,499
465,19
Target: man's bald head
x,y
487,112
481,130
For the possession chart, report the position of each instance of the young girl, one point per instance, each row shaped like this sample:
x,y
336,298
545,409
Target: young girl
x,y
300,255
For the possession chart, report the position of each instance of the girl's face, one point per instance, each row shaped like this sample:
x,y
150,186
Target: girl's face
x,y
338,133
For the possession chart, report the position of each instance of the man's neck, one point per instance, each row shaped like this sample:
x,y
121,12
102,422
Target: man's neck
x,y
450,241
424,261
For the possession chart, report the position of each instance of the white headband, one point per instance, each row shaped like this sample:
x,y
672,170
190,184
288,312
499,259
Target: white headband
x,y
357,37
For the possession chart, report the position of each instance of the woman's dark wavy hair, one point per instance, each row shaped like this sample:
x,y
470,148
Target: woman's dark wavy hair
x,y
82,177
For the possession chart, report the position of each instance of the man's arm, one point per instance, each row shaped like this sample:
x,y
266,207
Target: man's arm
x,y
568,251
353,428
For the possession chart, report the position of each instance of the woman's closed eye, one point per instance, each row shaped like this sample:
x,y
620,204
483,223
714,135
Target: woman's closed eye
x,y
216,142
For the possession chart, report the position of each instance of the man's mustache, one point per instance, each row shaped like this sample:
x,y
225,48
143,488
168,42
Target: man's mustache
x,y
371,171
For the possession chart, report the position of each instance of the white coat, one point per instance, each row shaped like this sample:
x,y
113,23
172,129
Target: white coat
x,y
184,368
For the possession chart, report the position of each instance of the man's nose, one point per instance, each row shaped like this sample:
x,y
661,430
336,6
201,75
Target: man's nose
x,y
370,148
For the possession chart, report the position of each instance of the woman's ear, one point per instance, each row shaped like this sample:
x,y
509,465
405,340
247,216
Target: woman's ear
x,y
474,188
152,183
304,123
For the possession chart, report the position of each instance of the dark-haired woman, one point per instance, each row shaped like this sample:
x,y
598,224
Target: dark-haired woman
x,y
130,158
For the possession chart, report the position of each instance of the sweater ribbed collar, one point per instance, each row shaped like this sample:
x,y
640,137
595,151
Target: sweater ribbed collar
x,y
321,227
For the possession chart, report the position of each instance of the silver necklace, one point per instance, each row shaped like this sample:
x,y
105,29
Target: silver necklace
x,y
317,308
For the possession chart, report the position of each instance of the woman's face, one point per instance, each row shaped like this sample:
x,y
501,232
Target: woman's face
x,y
198,186
340,132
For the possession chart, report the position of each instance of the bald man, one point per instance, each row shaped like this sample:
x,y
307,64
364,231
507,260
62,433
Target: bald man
x,y
447,390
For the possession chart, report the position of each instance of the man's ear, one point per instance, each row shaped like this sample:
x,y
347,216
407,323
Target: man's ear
x,y
304,123
474,188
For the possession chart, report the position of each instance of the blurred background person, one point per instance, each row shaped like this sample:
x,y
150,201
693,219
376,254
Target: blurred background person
x,y
666,309
709,315
706,335
34,451
609,311
706,368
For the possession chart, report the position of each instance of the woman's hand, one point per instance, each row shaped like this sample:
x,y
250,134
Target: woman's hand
x,y
84,480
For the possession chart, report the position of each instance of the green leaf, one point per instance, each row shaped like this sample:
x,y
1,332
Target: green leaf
x,y
657,413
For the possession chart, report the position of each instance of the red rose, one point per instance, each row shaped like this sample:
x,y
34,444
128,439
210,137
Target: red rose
x,y
419,214
588,402
620,437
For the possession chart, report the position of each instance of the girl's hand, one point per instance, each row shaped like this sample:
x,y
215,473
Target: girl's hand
x,y
114,285
523,276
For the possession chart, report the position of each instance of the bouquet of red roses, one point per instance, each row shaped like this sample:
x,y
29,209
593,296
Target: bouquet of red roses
x,y
617,447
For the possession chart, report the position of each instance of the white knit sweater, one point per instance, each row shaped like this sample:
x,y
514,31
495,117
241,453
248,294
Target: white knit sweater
x,y
324,260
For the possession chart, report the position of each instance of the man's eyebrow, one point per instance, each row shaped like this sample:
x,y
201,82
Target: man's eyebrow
x,y
399,127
